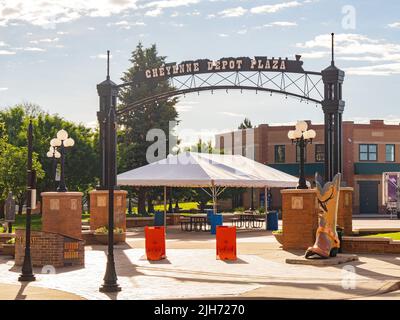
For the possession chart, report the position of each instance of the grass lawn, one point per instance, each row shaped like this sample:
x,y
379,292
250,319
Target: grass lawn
x,y
182,206
36,222
394,235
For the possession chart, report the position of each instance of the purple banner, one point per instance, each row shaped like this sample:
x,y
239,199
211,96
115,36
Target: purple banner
x,y
392,188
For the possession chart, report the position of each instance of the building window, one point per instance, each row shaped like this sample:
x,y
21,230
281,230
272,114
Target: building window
x,y
368,152
319,153
280,154
298,154
390,152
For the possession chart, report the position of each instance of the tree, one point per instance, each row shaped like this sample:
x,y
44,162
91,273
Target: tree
x,y
82,162
135,125
13,165
246,124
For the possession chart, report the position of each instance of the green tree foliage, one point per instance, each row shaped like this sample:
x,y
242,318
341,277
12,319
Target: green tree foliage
x,y
82,163
246,124
13,174
132,144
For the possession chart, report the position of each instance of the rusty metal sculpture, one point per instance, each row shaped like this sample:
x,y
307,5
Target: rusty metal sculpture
x,y
327,241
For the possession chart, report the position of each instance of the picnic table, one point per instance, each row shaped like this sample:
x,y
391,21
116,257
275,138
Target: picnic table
x,y
248,220
194,222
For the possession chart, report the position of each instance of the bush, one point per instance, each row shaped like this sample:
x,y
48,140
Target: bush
x,y
11,241
104,230
277,232
238,209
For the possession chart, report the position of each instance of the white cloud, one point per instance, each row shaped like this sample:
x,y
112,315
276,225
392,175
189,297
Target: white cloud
x,y
376,70
3,44
232,114
47,13
284,24
394,25
33,49
243,31
46,40
100,56
232,12
360,48
154,13
3,89
273,8
223,35
160,5
123,24
6,52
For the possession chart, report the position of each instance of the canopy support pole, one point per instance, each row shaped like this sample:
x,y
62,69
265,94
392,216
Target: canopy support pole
x,y
165,209
265,199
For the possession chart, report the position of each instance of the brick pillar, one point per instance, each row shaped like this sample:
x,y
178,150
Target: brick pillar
x,y
299,218
62,213
345,210
99,209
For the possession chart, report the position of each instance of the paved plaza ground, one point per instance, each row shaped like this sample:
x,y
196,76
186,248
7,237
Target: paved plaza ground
x,y
192,271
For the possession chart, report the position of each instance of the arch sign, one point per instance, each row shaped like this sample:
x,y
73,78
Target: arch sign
x,y
224,64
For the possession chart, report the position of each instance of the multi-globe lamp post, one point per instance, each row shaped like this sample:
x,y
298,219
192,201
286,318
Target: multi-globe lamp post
x,y
301,137
60,143
54,154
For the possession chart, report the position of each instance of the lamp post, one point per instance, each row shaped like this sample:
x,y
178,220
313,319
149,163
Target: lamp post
x,y
301,137
27,271
53,153
62,141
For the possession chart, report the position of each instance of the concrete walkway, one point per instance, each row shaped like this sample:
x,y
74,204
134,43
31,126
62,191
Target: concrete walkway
x,y
192,271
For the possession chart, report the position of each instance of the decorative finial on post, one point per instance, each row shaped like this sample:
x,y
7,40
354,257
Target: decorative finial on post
x,y
333,47
108,64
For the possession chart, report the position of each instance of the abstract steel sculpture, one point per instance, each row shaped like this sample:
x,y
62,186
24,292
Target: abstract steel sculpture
x,y
327,241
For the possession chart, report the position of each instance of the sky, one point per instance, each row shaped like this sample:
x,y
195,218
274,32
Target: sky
x,y
52,53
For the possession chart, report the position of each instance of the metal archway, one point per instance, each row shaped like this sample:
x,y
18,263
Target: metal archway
x,y
274,75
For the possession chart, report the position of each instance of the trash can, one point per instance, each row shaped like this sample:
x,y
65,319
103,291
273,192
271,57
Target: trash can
x,y
216,220
272,220
226,243
210,213
158,218
155,243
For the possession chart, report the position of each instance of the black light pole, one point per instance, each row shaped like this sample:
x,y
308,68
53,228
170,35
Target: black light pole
x,y
110,278
301,137
129,202
54,154
252,199
27,272
62,187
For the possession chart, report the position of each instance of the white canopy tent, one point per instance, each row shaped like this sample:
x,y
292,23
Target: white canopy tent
x,y
203,170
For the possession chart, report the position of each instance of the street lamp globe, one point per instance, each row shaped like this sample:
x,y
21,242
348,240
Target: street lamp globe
x,y
312,134
301,126
57,155
297,133
291,135
69,142
62,135
49,154
55,142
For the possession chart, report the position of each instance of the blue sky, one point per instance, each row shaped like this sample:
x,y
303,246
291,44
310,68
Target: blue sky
x,y
52,52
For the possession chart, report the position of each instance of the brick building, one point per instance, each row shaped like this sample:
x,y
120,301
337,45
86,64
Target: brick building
x,y
368,151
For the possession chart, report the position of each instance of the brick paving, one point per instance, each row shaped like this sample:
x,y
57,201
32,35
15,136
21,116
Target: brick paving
x,y
192,271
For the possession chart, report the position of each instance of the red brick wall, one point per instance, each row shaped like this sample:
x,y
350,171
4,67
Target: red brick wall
x,y
62,213
49,249
99,209
370,245
299,225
